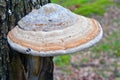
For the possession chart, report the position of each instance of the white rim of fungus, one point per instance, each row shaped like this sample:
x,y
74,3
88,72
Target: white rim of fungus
x,y
26,50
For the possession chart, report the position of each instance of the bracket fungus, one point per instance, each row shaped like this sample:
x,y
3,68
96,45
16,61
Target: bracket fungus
x,y
54,30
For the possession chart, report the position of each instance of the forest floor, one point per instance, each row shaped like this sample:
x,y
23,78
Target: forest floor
x,y
102,61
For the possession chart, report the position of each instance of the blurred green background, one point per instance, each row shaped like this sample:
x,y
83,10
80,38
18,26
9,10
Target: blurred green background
x,y
88,8
85,7
110,44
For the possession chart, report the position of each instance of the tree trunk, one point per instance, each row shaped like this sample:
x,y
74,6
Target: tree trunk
x,y
16,66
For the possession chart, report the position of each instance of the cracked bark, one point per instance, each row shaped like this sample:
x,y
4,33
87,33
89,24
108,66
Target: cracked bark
x,y
16,66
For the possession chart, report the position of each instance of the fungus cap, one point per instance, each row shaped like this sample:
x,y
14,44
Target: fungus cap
x,y
54,30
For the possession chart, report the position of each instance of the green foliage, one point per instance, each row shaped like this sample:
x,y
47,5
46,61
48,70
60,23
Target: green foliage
x,y
119,74
68,3
103,47
97,7
62,60
85,60
86,7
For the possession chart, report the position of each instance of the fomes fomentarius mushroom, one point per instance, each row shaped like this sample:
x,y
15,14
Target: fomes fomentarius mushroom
x,y
54,30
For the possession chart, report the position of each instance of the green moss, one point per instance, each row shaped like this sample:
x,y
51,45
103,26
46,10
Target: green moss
x,y
67,3
85,60
86,7
62,60
97,7
101,47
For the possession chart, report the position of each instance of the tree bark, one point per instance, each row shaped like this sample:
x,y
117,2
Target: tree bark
x,y
14,65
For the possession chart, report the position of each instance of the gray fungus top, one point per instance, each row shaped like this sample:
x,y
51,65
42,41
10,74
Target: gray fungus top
x,y
47,18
